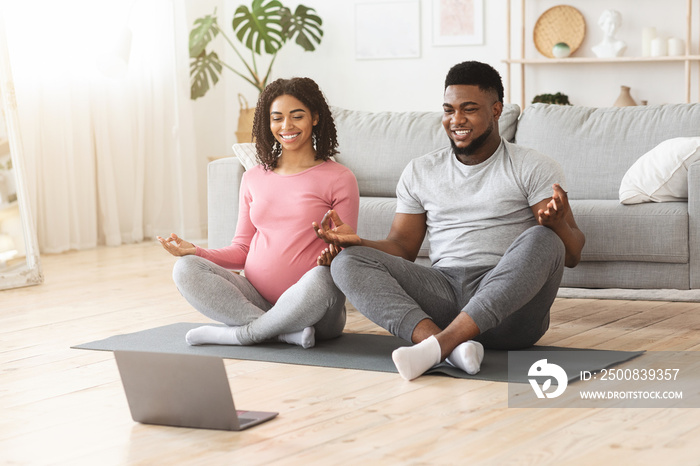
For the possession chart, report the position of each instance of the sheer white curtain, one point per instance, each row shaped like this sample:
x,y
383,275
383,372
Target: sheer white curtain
x,y
111,160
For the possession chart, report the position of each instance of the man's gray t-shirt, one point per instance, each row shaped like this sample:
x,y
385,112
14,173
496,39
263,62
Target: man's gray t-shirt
x,y
475,212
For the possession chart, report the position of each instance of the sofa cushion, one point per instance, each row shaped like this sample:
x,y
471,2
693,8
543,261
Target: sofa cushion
x,y
376,215
378,146
643,232
596,146
640,275
640,233
661,175
508,122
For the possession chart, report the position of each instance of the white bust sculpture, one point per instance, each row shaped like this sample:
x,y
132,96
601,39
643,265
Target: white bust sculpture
x,y
610,47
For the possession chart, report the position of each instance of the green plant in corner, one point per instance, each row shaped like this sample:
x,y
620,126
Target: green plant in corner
x,y
558,99
264,28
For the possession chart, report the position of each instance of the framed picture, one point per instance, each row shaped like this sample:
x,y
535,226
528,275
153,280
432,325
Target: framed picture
x,y
458,22
387,29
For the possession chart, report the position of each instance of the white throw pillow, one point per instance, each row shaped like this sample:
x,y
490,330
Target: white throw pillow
x,y
245,153
661,175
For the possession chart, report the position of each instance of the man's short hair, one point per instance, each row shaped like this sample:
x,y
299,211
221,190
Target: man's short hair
x,y
474,73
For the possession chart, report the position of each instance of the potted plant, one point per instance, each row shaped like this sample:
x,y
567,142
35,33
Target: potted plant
x,y
264,28
557,99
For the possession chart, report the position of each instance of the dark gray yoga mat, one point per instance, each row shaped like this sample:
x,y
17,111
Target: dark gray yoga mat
x,y
349,351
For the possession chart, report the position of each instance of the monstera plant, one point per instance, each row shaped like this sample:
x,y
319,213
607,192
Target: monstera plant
x,y
265,27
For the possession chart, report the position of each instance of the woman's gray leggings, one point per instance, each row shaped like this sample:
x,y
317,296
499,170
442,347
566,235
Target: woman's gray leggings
x,y
228,297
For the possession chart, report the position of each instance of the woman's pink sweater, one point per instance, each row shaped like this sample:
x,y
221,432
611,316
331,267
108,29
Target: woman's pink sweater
x,y
275,243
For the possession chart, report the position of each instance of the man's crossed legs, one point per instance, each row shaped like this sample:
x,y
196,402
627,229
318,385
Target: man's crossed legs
x,y
450,312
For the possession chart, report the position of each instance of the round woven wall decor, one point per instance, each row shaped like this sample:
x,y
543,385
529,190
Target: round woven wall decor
x,y
562,23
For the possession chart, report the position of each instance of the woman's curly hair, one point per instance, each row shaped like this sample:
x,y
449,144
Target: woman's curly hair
x,y
307,91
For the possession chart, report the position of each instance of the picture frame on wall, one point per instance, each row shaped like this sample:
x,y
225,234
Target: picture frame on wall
x,y
387,29
458,22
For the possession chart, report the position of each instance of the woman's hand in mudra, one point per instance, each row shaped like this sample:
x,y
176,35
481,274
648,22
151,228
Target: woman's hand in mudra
x,y
177,246
327,255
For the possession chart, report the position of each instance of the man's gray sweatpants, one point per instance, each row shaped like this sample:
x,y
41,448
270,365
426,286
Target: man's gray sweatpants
x,y
230,298
509,302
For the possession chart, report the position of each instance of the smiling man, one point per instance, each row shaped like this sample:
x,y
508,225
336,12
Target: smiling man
x,y
500,228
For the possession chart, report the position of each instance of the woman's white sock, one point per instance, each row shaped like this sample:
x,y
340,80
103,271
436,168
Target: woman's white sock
x,y
212,335
305,338
217,335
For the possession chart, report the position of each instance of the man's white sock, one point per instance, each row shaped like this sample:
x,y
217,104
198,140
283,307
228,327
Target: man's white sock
x,y
212,335
305,338
467,356
413,361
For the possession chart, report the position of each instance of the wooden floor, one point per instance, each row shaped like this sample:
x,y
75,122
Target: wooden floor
x,y
65,406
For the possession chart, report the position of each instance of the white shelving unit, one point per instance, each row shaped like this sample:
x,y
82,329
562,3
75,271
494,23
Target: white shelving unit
x,y
688,58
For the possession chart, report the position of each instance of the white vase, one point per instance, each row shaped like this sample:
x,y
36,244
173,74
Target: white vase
x,y
676,47
648,34
561,50
659,47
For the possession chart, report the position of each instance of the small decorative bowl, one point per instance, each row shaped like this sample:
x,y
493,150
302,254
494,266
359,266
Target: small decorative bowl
x,y
561,50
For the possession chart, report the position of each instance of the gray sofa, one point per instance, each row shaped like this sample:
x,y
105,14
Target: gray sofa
x,y
649,245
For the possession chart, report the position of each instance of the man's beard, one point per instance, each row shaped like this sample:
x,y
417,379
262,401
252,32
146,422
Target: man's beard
x,y
475,145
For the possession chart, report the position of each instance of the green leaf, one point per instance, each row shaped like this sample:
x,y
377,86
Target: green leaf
x,y
204,30
261,26
305,25
204,68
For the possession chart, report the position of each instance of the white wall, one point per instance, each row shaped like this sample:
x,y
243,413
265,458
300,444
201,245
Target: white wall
x,y
213,136
417,83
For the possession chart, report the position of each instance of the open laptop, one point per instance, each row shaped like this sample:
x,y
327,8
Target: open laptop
x,y
182,390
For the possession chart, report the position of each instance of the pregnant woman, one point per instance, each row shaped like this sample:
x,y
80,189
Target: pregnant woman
x,y
286,291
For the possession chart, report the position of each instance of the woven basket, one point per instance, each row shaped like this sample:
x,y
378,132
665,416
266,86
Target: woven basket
x,y
245,121
562,23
